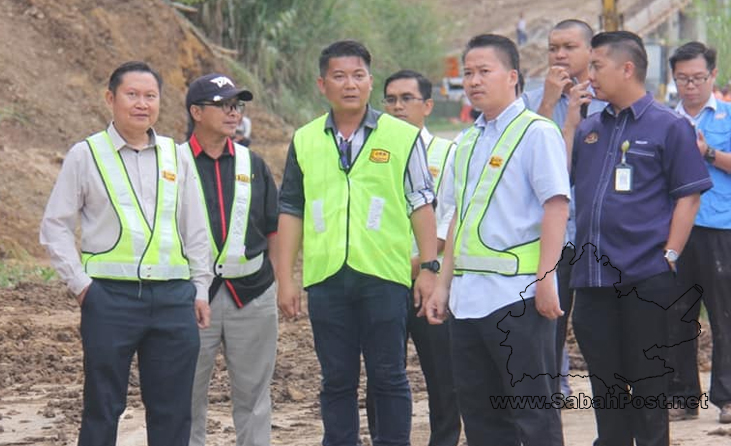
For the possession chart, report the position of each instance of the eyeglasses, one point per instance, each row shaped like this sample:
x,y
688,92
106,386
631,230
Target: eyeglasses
x,y
405,99
695,80
227,107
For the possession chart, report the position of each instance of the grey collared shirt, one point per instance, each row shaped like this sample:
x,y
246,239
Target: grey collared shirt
x,y
79,193
418,182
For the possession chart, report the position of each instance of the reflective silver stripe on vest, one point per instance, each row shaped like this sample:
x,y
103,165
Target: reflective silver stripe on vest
x,y
167,165
129,270
231,262
133,218
235,270
502,265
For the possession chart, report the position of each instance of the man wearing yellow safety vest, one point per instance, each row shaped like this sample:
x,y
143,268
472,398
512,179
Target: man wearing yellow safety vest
x,y
356,182
509,182
143,276
407,96
241,202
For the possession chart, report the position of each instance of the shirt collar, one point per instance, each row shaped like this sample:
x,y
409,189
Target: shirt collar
x,y
710,103
370,120
119,143
504,118
426,136
197,149
636,109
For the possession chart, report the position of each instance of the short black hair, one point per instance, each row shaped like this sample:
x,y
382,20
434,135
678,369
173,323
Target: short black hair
x,y
506,49
628,43
425,84
343,48
586,31
133,66
690,51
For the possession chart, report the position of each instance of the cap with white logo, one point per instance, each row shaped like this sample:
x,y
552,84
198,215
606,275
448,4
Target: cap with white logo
x,y
214,87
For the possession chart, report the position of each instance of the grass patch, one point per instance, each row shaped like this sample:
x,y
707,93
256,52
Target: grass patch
x,y
442,124
12,273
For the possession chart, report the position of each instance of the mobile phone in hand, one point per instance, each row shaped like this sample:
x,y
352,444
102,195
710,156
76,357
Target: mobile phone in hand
x,y
584,110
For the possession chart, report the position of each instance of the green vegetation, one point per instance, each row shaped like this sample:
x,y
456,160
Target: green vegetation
x,y
279,41
717,16
12,273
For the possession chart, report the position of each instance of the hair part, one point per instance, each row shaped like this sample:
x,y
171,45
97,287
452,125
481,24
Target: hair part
x,y
424,84
692,50
627,43
586,30
343,48
505,48
115,80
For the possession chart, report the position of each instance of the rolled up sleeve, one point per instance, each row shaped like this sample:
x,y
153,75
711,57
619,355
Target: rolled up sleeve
x,y
418,183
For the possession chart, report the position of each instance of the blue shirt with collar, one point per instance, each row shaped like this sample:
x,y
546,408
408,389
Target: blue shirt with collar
x,y
715,123
631,229
533,99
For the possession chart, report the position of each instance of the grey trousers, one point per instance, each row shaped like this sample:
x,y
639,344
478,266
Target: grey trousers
x,y
248,336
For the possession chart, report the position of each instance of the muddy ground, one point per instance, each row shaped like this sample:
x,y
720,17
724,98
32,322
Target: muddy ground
x,y
41,381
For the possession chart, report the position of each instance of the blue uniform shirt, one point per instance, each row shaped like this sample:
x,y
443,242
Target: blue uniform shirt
x,y
631,229
715,123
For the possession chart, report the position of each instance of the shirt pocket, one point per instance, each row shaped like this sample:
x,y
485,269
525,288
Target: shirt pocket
x,y
719,137
646,165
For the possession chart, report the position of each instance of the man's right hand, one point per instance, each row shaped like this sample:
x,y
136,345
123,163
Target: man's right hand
x,y
578,95
82,295
288,298
557,80
435,307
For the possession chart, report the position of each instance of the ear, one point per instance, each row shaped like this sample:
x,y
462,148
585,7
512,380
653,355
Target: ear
x,y
321,84
628,70
428,107
513,78
196,112
714,73
109,98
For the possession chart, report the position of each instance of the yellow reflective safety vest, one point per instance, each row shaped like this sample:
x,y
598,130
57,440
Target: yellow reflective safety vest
x,y
231,262
359,217
436,155
471,253
141,252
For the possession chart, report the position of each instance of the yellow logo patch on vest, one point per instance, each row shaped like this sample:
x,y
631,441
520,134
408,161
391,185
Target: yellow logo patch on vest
x,y
170,176
434,171
591,138
243,178
496,161
380,156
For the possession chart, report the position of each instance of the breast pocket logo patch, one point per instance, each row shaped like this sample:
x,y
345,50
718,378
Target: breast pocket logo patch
x,y
591,138
380,156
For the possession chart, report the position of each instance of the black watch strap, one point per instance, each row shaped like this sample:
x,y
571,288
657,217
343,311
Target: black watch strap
x,y
432,265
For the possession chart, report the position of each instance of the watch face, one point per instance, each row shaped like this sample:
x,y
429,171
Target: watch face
x,y
671,255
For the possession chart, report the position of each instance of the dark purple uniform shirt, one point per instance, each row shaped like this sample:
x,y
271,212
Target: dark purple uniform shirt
x,y
631,229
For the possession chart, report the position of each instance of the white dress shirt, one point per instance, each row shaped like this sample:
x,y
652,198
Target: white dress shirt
x,y
80,192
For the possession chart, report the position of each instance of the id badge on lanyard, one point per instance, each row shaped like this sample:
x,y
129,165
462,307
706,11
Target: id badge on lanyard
x,y
623,172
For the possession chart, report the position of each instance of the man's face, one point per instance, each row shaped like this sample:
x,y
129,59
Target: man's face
x,y
220,119
489,84
404,101
607,75
347,84
136,102
568,49
696,92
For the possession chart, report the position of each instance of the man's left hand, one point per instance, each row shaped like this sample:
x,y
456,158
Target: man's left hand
x,y
202,313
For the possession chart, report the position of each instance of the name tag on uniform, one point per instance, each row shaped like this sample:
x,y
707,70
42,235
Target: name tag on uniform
x,y
623,178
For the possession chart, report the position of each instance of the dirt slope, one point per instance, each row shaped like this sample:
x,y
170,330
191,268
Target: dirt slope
x,y
56,57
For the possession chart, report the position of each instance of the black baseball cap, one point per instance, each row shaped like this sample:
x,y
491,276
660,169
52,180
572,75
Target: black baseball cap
x,y
214,87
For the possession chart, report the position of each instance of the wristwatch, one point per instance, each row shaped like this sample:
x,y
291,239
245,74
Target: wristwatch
x,y
671,255
710,155
432,266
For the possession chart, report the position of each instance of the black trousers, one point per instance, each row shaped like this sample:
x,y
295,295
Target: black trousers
x,y
613,334
433,348
487,366
566,299
706,261
157,321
